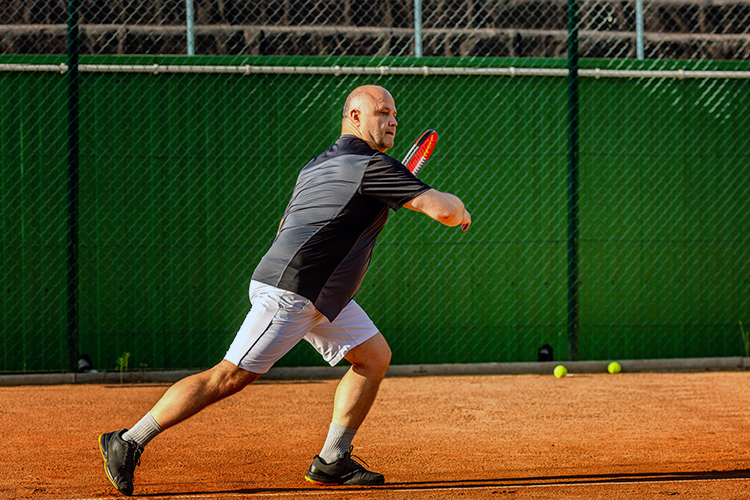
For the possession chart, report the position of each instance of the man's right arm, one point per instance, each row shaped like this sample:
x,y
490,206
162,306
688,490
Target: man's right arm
x,y
443,207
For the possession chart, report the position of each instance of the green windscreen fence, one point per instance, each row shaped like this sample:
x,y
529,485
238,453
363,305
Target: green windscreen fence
x,y
146,163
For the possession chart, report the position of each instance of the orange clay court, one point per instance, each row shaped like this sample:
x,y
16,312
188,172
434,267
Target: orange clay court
x,y
585,436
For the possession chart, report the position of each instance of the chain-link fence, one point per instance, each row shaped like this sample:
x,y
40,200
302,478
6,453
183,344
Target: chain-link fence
x,y
671,29
140,184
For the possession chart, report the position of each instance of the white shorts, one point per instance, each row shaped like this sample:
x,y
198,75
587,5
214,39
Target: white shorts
x,y
279,319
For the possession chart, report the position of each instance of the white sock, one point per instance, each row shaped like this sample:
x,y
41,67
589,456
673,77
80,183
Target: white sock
x,y
337,443
144,431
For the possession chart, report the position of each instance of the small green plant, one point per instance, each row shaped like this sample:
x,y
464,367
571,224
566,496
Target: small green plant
x,y
745,340
122,364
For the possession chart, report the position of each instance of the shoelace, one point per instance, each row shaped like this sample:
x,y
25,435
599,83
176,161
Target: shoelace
x,y
132,455
352,457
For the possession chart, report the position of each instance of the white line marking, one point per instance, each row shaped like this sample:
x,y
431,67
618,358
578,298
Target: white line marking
x,y
426,489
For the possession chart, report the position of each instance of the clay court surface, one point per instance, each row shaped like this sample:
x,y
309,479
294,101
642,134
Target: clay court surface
x,y
629,436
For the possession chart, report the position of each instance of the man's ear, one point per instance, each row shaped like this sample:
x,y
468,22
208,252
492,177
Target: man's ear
x,y
355,117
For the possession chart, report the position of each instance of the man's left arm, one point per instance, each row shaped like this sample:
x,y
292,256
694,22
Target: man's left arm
x,y
443,207
389,181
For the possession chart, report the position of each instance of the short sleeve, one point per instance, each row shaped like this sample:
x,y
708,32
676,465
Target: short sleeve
x,y
389,181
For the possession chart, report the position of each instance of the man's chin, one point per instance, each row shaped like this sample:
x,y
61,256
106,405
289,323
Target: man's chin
x,y
386,145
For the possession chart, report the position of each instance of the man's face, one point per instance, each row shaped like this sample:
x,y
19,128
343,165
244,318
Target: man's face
x,y
378,121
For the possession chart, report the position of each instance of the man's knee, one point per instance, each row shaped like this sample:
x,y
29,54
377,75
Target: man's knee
x,y
229,379
372,356
382,359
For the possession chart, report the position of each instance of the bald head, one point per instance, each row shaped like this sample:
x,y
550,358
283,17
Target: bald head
x,y
370,114
363,97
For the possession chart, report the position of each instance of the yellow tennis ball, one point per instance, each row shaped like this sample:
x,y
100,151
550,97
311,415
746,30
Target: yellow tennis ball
x,y
560,371
614,367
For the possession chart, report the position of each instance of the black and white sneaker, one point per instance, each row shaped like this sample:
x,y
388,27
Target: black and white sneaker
x,y
345,470
120,459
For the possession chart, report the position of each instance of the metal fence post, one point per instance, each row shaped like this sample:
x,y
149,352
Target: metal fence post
x,y
72,162
190,27
639,29
418,28
573,180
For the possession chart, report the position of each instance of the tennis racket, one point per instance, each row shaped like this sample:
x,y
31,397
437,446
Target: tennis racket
x,y
419,154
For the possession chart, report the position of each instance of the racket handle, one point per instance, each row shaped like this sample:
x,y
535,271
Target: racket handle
x,y
464,227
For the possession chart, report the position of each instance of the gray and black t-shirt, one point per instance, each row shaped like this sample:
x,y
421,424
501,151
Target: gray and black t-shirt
x,y
339,206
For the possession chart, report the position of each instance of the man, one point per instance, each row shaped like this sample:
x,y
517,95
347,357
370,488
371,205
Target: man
x,y
303,288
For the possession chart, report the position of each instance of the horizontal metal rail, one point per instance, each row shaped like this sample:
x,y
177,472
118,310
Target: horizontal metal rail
x,y
330,30
371,70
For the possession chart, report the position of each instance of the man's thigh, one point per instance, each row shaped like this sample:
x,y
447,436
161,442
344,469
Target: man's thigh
x,y
277,321
333,340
